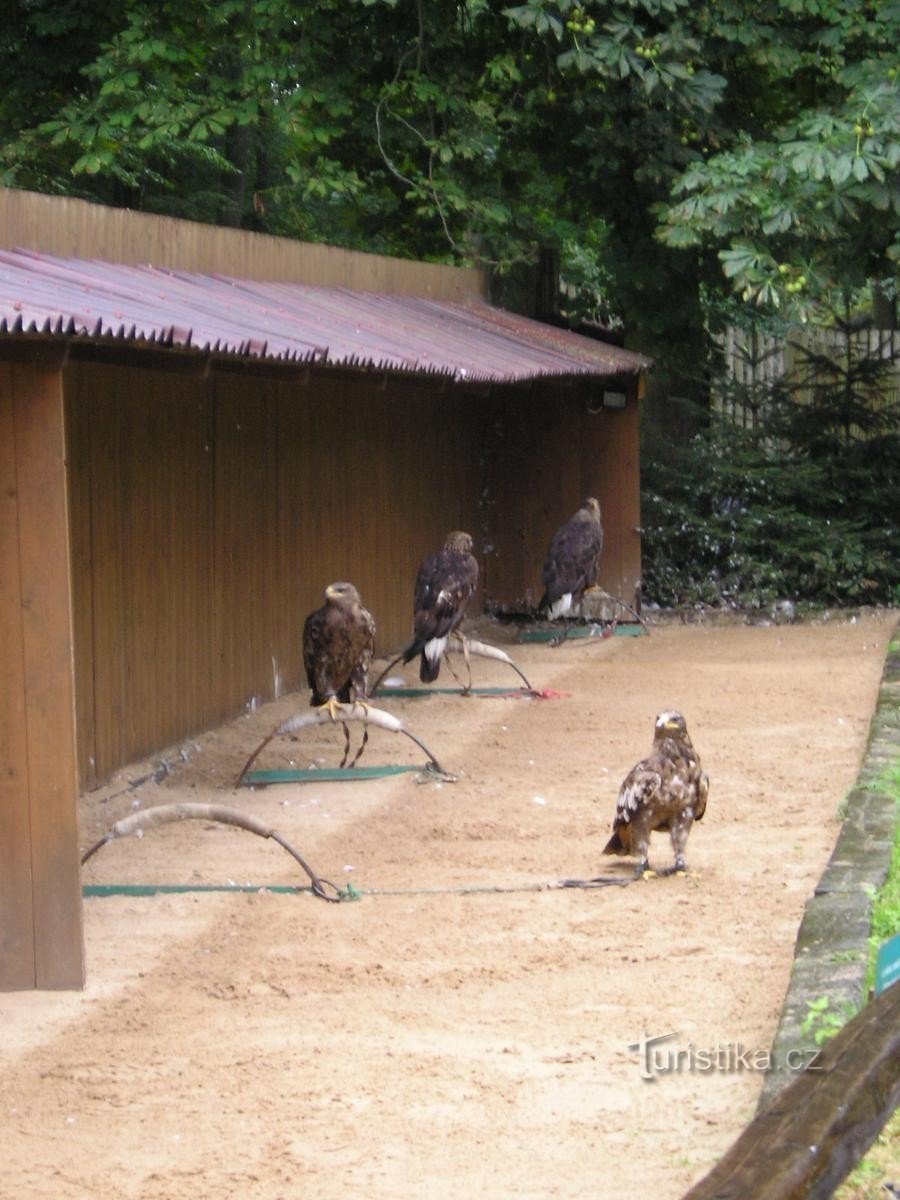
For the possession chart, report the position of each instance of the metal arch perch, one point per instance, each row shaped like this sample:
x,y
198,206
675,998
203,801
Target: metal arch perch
x,y
357,711
482,648
166,814
467,646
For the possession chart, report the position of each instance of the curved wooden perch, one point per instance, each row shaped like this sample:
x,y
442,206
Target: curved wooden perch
x,y
357,711
820,1125
166,814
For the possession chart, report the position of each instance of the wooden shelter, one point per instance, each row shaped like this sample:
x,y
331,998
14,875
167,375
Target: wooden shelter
x,y
171,508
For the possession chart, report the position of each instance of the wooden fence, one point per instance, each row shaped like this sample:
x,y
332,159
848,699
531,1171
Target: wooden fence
x,y
817,1129
756,362
71,228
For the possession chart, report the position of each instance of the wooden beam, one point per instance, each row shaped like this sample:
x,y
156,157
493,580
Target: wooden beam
x,y
818,1127
39,746
16,919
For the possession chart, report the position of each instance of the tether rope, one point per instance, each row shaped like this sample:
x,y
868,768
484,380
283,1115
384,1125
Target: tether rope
x,y
350,892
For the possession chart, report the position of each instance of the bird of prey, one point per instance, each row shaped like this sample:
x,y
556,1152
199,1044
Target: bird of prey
x,y
666,790
572,561
445,584
338,645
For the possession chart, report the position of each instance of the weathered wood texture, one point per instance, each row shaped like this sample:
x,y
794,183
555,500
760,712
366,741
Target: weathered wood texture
x,y
208,515
74,228
546,451
41,941
209,512
817,1128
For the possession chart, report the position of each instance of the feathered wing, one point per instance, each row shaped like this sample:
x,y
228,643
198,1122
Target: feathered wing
x,y
572,560
338,647
640,786
702,794
316,660
445,583
363,652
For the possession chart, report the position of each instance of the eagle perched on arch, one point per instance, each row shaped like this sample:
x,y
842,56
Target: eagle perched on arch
x,y
445,583
665,791
572,561
338,645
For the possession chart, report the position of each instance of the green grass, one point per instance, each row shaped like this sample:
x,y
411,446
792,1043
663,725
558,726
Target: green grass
x,y
881,1165
882,1162
886,904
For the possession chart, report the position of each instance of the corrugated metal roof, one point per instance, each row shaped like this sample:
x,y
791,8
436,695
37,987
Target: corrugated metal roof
x,y
62,297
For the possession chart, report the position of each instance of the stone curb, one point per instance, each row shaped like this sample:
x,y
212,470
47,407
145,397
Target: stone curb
x,y
832,949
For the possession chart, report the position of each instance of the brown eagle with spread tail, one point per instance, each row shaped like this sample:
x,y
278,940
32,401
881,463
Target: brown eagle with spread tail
x,y
445,583
666,790
572,561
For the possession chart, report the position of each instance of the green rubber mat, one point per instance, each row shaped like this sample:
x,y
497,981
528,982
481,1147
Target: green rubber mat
x,y
411,693
579,631
325,774
158,889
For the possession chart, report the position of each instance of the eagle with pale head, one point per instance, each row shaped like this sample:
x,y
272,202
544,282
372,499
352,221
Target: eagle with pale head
x,y
665,791
338,645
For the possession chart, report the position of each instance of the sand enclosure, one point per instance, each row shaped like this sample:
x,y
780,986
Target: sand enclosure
x,y
429,1040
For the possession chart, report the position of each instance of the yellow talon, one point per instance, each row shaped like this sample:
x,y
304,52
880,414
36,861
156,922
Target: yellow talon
x,y
334,707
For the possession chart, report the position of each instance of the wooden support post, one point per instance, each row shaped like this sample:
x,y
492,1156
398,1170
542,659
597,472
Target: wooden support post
x,y
818,1127
41,941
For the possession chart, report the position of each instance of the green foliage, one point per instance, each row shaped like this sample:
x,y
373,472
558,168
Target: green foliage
x,y
807,201
868,1180
886,903
823,1021
865,1182
802,506
762,139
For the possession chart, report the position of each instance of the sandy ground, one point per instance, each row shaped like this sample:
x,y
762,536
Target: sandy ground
x,y
428,1041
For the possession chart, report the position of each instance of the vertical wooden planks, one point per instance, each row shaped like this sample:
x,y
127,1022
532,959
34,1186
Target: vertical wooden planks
x,y
611,472
142,456
102,494
48,674
245,540
218,506
545,451
80,229
78,434
16,917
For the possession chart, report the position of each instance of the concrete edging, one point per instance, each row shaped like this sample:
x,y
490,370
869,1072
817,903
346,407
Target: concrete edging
x,y
832,949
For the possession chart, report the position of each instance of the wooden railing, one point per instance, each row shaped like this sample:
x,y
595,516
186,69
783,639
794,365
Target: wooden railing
x,y
820,1125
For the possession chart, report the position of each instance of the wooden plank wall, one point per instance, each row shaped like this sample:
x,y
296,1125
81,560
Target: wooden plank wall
x,y
74,228
41,942
210,512
545,451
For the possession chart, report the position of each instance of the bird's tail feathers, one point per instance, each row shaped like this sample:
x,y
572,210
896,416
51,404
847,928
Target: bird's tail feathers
x,y
411,651
432,653
428,669
561,607
615,845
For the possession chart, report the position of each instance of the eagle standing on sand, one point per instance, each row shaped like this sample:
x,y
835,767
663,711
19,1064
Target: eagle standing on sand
x,y
667,790
572,561
338,645
445,584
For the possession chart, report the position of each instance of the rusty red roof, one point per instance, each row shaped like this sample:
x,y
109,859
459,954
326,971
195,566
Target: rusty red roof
x,y
85,298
